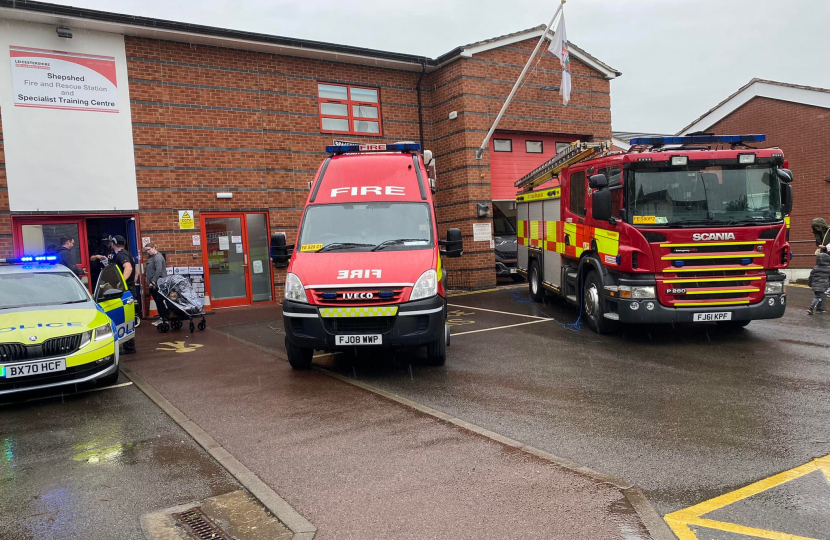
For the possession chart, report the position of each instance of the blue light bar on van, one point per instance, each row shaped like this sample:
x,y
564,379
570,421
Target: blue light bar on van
x,y
29,258
360,148
697,139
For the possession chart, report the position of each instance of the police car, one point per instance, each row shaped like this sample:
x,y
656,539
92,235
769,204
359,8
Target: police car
x,y
53,332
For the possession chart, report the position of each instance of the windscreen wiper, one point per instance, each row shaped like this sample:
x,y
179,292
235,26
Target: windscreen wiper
x,y
73,302
397,241
342,245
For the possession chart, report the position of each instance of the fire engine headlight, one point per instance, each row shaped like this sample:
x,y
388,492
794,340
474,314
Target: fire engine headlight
x,y
103,332
637,292
775,287
426,286
294,290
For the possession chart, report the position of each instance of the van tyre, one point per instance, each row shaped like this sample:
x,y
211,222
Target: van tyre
x,y
534,283
298,357
437,350
592,304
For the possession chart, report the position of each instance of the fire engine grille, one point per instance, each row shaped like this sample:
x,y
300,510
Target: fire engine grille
x,y
357,325
379,296
199,526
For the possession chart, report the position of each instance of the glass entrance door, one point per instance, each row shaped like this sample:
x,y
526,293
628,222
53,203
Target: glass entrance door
x,y
235,247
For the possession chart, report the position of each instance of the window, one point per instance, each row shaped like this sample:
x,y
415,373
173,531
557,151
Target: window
x,y
349,109
577,193
615,187
561,146
109,281
533,147
502,145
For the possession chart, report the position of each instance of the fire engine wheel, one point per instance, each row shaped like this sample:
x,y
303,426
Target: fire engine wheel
x,y
298,357
437,350
592,304
534,282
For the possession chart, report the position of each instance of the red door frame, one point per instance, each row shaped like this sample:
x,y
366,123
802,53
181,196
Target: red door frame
x,y
234,302
80,219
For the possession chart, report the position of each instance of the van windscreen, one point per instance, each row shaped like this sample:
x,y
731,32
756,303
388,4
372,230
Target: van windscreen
x,y
366,226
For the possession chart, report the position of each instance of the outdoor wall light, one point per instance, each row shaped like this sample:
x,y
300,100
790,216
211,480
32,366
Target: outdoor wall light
x,y
224,195
482,209
64,32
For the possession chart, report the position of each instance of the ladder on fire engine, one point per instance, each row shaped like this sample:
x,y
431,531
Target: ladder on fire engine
x,y
573,153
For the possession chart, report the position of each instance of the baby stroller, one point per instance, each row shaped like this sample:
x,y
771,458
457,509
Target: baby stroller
x,y
177,302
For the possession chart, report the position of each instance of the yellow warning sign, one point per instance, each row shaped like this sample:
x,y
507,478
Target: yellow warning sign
x,y
186,219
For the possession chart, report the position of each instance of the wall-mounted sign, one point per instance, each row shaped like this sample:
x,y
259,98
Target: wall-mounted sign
x,y
197,240
186,219
63,80
482,232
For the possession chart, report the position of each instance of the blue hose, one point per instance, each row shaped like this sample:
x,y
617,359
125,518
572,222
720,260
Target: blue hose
x,y
571,327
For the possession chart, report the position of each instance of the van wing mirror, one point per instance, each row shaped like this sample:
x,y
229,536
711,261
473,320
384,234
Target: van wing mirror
x,y
454,244
280,253
786,198
598,181
601,205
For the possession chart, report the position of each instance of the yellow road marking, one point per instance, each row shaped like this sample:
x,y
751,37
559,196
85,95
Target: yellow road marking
x,y
797,285
681,521
178,347
505,287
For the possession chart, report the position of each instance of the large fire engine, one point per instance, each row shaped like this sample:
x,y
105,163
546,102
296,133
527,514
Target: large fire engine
x,y
677,229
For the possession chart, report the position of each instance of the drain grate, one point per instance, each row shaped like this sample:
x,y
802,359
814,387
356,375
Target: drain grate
x,y
201,527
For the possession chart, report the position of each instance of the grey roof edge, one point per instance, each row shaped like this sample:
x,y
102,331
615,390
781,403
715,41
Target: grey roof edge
x,y
744,87
45,8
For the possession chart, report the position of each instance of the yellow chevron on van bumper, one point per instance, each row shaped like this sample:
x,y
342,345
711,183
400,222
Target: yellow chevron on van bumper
x,y
372,311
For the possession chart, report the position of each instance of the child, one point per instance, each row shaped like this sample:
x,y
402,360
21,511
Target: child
x,y
819,281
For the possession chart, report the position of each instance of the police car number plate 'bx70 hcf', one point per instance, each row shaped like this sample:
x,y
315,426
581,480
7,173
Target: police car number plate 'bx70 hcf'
x,y
712,317
363,339
33,368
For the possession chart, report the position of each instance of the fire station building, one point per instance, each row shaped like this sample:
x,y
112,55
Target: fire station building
x,y
796,119
203,140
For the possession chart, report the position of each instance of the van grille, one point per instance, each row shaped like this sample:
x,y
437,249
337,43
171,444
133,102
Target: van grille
x,y
360,325
379,296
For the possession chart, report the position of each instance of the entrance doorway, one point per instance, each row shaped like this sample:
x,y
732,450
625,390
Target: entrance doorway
x,y
235,250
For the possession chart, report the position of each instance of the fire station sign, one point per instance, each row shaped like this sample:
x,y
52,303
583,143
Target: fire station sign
x,y
47,79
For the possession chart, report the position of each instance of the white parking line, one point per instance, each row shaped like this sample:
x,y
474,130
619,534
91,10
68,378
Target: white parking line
x,y
500,327
502,312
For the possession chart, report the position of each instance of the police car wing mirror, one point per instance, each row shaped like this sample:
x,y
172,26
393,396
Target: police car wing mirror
x,y
786,198
280,253
598,181
785,175
601,205
454,244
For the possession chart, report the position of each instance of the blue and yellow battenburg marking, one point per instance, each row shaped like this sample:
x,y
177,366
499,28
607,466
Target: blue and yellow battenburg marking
x,y
373,311
122,313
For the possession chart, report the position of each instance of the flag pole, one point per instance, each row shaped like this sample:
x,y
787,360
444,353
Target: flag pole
x,y
480,150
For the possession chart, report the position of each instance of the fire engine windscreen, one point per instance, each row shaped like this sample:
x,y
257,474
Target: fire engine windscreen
x,y
706,195
365,226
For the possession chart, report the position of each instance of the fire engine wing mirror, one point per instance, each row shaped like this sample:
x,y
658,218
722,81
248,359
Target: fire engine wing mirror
x,y
601,204
453,243
280,253
786,198
598,181
785,175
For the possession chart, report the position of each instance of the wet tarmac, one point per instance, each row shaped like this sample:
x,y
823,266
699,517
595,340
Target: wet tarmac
x,y
360,466
87,466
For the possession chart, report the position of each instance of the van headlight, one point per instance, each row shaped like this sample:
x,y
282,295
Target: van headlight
x,y
103,332
426,286
774,287
294,290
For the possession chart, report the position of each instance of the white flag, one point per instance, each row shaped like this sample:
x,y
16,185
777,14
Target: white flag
x,y
559,47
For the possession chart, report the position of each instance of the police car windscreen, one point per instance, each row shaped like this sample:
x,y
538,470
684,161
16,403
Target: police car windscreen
x,y
689,195
364,226
40,289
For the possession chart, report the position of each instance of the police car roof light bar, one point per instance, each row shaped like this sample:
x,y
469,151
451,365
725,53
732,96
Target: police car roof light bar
x,y
361,148
697,139
30,258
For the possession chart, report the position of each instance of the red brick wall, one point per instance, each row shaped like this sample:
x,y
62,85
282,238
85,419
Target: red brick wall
x,y
209,119
803,133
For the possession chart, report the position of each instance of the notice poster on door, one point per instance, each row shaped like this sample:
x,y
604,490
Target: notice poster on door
x,y
63,80
224,245
257,267
236,239
238,248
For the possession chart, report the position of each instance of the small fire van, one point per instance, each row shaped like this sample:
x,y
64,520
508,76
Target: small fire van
x,y
366,269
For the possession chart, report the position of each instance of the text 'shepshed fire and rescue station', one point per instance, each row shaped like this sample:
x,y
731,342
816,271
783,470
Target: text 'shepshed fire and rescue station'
x,y
151,118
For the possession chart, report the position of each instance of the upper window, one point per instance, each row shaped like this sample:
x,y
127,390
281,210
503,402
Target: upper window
x,y
577,193
349,109
502,145
561,146
533,147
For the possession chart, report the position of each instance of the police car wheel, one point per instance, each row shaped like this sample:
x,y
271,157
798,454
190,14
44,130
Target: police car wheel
x,y
298,357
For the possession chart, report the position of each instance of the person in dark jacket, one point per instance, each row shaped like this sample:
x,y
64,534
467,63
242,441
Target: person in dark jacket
x,y
819,281
822,233
65,256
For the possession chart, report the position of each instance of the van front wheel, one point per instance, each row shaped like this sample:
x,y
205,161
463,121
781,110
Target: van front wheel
x,y
437,350
298,357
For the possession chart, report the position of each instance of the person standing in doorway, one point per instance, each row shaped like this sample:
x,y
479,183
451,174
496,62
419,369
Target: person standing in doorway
x,y
154,270
65,256
124,260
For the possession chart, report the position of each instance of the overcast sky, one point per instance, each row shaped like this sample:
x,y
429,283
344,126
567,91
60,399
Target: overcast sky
x,y
679,58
